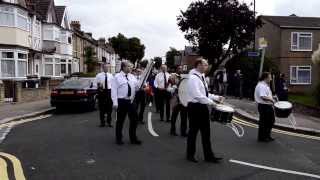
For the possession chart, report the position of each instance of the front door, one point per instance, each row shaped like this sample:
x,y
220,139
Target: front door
x,y
37,67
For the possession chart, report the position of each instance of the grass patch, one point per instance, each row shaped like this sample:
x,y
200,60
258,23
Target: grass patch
x,y
305,99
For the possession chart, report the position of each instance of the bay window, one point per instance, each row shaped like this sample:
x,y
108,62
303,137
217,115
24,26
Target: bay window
x,y
22,65
23,20
13,64
7,16
7,64
48,67
300,75
57,67
14,17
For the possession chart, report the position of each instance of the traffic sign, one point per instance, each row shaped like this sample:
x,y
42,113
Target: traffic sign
x,y
253,54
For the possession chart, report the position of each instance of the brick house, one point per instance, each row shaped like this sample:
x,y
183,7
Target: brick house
x,y
291,43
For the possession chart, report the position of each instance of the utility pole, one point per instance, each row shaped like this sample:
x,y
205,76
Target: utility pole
x,y
254,15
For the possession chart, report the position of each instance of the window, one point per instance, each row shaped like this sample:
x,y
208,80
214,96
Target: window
x,y
63,66
7,16
300,75
22,20
301,41
22,68
8,55
57,67
7,64
48,67
64,37
22,56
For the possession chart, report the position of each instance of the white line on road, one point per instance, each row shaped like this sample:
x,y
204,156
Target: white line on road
x,y
150,128
275,169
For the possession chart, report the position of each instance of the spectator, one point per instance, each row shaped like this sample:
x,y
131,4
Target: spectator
x,y
281,88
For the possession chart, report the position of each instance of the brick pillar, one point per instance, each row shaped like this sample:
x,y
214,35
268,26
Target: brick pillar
x,y
1,91
18,92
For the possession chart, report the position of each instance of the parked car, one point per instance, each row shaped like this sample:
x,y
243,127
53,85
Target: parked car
x,y
75,91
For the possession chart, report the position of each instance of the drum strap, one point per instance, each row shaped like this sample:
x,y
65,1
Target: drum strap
x,y
204,84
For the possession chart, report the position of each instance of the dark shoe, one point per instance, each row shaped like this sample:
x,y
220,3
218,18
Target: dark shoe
x,y
184,135
173,133
270,139
192,159
214,160
119,142
141,122
161,120
102,125
136,142
263,140
168,121
110,125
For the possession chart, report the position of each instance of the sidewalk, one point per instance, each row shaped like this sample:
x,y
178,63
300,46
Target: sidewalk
x,y
10,112
248,109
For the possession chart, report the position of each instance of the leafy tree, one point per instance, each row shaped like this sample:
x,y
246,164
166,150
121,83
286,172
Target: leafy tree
x,y
220,28
130,49
170,57
90,59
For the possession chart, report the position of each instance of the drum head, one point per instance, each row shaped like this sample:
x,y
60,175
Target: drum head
x,y
224,108
182,92
283,105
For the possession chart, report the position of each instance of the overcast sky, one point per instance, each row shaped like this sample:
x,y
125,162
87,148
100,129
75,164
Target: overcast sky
x,y
154,21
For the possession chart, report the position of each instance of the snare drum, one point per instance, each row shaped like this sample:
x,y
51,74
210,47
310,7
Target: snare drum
x,y
222,114
283,109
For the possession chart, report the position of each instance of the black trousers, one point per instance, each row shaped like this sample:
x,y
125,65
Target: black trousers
x,y
199,121
157,99
105,106
125,107
140,104
164,100
266,121
183,116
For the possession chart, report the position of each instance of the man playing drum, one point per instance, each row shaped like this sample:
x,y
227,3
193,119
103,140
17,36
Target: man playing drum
x,y
263,96
198,112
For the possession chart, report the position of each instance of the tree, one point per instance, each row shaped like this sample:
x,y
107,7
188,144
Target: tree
x,y
90,59
130,49
219,28
170,57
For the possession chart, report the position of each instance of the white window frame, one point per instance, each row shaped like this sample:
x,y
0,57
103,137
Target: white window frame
x,y
21,60
16,14
48,63
297,46
15,59
297,72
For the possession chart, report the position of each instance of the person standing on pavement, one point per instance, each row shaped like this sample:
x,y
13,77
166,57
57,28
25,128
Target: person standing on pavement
x,y
178,108
124,87
222,77
104,83
162,83
198,112
140,98
281,88
263,96
238,82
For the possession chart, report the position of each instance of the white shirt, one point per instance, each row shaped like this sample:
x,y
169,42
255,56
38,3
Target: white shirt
x,y
100,78
197,89
262,90
120,87
225,78
159,80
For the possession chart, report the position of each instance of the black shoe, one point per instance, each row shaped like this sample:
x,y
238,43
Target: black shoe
x,y
264,140
184,135
119,142
192,159
270,139
173,133
214,160
141,122
102,125
136,142
168,121
161,120
110,125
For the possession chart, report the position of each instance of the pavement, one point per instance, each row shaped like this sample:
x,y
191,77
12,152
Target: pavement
x,y
69,145
16,111
248,110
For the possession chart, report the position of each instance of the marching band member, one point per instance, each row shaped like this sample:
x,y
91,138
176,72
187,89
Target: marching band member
x,y
198,112
123,91
178,107
104,80
162,83
140,98
263,96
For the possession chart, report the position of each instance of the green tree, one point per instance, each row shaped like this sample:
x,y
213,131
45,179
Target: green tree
x,y
170,57
131,49
90,59
220,28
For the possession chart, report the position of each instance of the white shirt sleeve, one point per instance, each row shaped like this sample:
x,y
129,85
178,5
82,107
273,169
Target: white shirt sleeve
x,y
214,97
195,92
156,81
262,92
114,91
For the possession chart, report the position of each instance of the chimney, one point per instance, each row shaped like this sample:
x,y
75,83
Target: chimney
x,y
75,25
101,41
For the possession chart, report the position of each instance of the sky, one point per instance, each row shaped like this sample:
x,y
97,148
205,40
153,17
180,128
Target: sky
x,y
154,21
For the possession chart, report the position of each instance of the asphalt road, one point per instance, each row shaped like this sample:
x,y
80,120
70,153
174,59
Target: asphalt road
x,y
70,146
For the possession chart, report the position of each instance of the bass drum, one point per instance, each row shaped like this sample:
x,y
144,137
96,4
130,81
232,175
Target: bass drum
x,y
183,91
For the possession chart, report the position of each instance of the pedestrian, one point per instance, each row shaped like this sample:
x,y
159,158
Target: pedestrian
x,y
162,83
140,98
178,108
238,82
265,101
282,88
104,83
123,91
222,77
198,112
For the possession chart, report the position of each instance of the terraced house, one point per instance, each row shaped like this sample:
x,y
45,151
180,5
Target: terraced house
x,y
291,43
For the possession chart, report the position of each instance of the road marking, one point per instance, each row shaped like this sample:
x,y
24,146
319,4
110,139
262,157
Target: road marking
x,y
275,169
17,167
3,170
245,123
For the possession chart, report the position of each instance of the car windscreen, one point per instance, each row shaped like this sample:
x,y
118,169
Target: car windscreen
x,y
75,84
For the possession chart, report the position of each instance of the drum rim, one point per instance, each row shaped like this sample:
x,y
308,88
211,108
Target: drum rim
x,y
221,105
287,102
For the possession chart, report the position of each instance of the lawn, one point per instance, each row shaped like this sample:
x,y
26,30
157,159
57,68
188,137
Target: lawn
x,y
304,99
